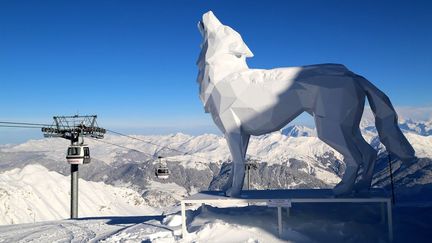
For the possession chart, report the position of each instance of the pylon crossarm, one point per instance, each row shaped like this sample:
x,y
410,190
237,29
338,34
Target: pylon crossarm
x,y
71,127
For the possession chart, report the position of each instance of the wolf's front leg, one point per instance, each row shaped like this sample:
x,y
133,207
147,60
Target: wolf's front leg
x,y
235,144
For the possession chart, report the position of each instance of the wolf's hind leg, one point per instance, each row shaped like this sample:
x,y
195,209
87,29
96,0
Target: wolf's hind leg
x,y
335,135
369,155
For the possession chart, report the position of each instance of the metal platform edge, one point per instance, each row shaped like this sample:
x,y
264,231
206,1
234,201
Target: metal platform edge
x,y
287,197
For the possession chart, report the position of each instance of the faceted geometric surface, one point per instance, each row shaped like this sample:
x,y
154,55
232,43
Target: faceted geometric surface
x,y
245,102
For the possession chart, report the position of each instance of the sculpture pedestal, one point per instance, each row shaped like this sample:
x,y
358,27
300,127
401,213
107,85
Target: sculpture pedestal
x,y
285,198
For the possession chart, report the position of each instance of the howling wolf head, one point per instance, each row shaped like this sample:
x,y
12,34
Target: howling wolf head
x,y
220,43
228,40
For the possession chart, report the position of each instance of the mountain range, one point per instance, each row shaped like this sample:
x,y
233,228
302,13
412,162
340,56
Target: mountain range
x,y
122,170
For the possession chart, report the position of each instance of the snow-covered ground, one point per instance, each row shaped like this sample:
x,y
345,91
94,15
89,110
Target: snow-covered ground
x,y
118,214
306,223
34,194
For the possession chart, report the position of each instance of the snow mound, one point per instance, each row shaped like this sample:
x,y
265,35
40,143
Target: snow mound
x,y
161,195
306,223
172,220
35,194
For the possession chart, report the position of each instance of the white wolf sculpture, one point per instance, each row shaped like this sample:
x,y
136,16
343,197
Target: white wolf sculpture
x,y
245,102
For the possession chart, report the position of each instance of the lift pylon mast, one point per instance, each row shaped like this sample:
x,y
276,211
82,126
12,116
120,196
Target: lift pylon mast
x,y
72,128
250,164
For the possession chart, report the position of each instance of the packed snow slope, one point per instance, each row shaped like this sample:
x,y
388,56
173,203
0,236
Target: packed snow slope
x,y
35,194
306,223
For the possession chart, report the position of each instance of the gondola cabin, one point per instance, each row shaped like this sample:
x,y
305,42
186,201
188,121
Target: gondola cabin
x,y
78,154
162,172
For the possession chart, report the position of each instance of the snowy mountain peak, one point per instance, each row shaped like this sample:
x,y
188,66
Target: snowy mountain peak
x,y
298,131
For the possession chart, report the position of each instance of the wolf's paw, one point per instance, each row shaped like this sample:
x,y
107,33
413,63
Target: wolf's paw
x,y
343,189
232,193
362,186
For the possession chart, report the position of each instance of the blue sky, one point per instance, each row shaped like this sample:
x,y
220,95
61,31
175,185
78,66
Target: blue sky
x,y
133,62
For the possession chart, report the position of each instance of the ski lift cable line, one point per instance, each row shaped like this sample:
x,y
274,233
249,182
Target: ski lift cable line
x,y
20,126
155,144
154,156
254,157
10,124
160,146
121,146
24,123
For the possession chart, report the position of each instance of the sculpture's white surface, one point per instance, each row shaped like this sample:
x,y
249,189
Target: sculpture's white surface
x,y
245,102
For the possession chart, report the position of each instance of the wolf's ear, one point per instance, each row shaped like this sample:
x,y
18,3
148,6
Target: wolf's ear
x,y
237,45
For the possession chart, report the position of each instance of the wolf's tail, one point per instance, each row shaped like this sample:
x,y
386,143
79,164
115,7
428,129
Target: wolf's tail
x,y
386,122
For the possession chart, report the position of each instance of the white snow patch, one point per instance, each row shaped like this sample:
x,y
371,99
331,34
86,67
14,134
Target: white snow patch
x,y
35,194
